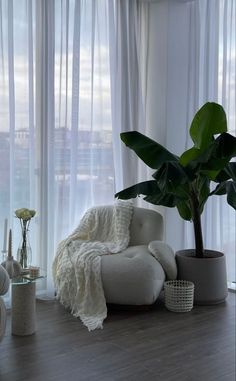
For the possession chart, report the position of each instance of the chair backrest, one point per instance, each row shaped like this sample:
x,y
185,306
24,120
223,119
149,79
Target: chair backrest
x,y
146,226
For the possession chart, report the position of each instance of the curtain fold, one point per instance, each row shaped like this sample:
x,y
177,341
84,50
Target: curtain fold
x,y
45,136
128,22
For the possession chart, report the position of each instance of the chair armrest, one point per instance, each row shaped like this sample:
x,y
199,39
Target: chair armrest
x,y
3,318
4,281
165,256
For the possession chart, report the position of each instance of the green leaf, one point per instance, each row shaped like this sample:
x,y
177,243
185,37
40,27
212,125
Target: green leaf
x,y
182,191
220,189
224,147
170,175
152,153
229,172
189,155
214,159
184,210
203,191
146,188
151,192
167,199
231,194
208,121
221,151
229,188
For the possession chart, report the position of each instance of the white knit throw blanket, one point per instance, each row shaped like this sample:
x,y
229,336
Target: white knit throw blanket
x,y
77,265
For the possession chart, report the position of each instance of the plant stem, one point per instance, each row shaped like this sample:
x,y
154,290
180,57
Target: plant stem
x,y
23,256
199,249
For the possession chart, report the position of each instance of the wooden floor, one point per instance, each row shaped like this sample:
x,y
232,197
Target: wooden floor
x,y
148,345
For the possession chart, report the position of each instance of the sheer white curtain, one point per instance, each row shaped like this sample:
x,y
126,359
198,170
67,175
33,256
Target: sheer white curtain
x,y
55,117
201,67
214,79
128,22
191,56
83,131
17,113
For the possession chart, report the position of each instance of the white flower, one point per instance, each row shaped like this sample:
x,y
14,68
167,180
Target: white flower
x,y
25,214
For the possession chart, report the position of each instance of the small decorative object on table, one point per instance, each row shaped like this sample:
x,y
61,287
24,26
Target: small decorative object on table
x,y
34,271
24,253
12,267
4,248
179,295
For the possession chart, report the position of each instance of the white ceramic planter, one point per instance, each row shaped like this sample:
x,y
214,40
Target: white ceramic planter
x,y
208,275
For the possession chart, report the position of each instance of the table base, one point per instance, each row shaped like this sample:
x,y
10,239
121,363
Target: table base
x,y
23,309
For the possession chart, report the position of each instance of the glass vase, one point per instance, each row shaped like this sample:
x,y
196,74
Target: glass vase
x,y
24,252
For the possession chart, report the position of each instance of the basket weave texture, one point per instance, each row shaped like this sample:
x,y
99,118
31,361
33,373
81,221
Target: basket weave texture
x,y
179,295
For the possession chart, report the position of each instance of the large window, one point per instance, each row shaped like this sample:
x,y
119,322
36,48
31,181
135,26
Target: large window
x,y
57,139
77,146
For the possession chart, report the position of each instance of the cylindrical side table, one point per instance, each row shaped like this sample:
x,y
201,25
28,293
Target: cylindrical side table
x,y
23,309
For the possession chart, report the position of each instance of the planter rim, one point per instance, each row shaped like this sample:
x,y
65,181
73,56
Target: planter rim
x,y
209,254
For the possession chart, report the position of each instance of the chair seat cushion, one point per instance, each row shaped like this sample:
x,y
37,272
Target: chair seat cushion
x,y
132,277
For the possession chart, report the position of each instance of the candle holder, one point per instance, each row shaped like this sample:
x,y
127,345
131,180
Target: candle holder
x,y
4,255
4,249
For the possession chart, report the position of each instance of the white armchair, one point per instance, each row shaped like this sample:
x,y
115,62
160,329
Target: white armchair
x,y
4,285
135,276
134,272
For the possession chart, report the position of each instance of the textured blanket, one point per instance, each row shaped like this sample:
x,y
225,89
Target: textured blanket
x,y
77,264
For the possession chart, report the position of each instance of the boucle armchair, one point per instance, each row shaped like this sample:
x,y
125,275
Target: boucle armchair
x,y
136,275
116,255
4,285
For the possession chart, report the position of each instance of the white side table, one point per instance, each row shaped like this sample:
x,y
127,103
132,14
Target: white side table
x,y
23,314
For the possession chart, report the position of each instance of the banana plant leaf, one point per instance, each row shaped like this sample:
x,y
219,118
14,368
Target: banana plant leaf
x,y
208,121
212,160
229,188
203,187
152,153
184,209
146,188
229,172
171,174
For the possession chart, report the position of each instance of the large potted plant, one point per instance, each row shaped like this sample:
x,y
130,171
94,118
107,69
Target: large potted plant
x,y
186,182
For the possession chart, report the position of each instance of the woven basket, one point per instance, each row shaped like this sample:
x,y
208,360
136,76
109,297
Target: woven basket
x,y
179,295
